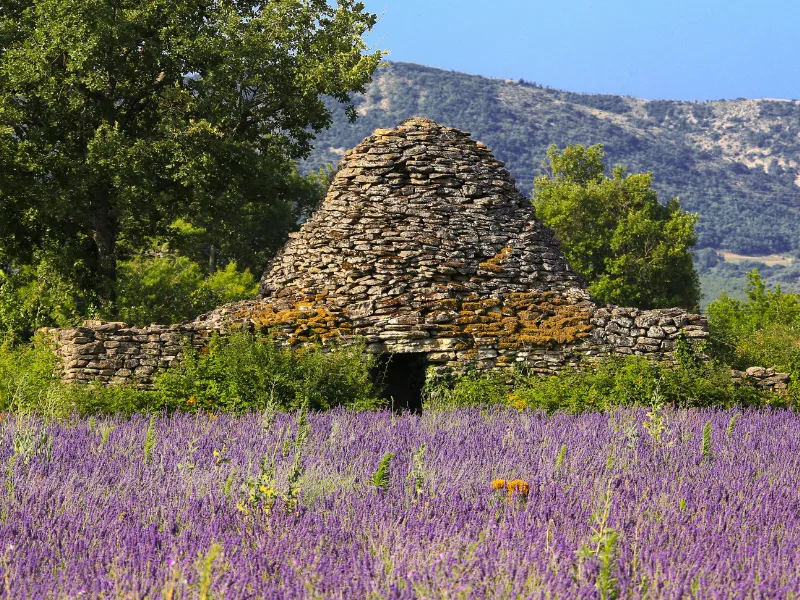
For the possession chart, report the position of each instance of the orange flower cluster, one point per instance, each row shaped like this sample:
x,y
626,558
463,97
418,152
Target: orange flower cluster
x,y
515,487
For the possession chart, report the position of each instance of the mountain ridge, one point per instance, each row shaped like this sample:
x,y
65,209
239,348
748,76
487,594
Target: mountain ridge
x,y
735,162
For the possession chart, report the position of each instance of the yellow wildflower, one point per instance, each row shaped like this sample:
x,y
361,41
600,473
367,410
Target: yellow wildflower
x,y
498,484
519,488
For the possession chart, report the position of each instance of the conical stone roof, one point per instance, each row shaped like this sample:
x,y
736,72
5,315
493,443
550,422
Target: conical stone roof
x,y
423,244
416,210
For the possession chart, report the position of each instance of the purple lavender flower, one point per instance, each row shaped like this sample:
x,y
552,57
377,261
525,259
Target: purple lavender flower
x,y
618,510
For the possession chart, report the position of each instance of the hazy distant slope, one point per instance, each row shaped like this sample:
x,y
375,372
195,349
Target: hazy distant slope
x,y
735,162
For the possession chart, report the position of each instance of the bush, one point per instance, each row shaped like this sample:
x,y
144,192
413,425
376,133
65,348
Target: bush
x,y
627,381
471,389
34,296
29,384
27,380
237,373
248,372
164,289
764,330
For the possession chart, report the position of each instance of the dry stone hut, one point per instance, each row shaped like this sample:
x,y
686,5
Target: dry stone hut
x,y
425,249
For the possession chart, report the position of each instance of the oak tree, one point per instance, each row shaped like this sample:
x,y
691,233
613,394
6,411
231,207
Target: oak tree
x,y
119,116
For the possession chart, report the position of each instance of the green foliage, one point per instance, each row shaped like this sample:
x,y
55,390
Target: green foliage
x,y
762,330
380,479
29,384
149,440
27,380
238,373
562,456
118,118
248,372
471,389
655,424
260,491
204,567
633,250
418,474
629,381
150,289
603,550
296,471
36,295
732,423
170,289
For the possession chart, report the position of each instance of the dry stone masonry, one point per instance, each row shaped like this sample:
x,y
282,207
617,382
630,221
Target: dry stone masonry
x,y
423,245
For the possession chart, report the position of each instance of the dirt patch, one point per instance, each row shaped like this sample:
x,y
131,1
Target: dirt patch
x,y
771,260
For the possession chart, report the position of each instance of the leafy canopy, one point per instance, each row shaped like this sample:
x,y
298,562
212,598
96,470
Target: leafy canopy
x,y
633,250
118,117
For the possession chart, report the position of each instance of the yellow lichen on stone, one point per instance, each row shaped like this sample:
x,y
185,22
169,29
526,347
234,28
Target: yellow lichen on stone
x,y
494,264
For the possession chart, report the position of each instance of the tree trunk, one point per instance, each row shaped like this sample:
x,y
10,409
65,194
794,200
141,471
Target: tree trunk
x,y
104,234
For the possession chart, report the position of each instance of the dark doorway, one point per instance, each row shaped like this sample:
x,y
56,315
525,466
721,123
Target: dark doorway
x,y
401,378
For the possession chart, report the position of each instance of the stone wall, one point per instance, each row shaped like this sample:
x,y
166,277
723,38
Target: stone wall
x,y
763,378
116,353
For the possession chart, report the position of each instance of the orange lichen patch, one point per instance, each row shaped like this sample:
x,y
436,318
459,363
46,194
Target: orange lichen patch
x,y
487,266
303,323
524,319
495,263
450,329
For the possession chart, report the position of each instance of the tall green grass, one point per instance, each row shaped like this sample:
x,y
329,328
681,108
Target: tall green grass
x,y
236,373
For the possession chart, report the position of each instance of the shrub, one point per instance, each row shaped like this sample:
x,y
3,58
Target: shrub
x,y
628,381
764,330
470,389
27,380
34,296
237,373
249,372
29,384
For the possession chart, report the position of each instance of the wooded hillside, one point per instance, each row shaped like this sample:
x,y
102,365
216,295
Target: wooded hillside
x,y
735,162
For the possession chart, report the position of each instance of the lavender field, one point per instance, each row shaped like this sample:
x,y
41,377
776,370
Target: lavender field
x,y
686,504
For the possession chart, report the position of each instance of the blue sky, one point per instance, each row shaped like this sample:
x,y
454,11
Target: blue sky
x,y
654,49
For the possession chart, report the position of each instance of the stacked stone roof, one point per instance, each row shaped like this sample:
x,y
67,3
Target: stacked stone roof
x,y
416,210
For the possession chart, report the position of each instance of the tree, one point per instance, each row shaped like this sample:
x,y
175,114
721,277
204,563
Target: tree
x,y
633,250
118,117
